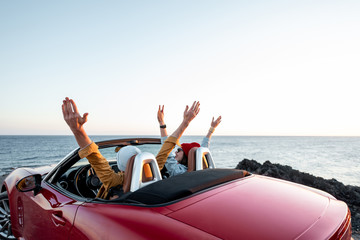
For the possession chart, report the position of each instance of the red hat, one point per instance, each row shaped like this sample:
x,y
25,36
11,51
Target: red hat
x,y
187,146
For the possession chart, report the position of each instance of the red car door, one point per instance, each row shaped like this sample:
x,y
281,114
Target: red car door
x,y
48,215
116,221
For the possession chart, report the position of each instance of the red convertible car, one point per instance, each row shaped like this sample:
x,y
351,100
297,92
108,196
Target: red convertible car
x,y
58,202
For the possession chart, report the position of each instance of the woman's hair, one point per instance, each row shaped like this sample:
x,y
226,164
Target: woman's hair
x,y
186,149
184,160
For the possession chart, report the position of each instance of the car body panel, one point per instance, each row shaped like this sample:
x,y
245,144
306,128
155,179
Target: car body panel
x,y
48,215
335,214
264,207
129,222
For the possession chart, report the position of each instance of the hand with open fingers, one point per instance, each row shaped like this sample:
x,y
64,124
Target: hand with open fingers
x,y
72,116
190,113
160,115
215,123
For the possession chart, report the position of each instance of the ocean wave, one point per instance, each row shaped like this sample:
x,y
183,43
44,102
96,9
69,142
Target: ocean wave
x,y
28,158
5,152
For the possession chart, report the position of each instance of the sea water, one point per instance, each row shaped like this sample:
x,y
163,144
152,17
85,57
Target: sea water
x,y
327,157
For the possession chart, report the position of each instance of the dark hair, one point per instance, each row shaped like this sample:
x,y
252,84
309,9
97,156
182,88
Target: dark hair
x,y
184,160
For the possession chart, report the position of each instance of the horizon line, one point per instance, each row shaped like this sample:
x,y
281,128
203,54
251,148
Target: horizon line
x,y
191,135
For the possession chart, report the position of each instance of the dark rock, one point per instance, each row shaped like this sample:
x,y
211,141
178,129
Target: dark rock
x,y
348,194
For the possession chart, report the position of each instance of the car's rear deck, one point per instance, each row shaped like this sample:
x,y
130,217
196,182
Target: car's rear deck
x,y
183,185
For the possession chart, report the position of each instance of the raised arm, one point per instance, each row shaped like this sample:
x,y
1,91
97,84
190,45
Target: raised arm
x,y
214,124
88,149
160,117
75,121
168,146
189,115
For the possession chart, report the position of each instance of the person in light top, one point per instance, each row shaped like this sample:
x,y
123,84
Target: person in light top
x,y
177,155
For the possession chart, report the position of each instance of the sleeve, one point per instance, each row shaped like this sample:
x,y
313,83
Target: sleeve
x,y
205,142
174,168
101,166
163,139
172,153
165,150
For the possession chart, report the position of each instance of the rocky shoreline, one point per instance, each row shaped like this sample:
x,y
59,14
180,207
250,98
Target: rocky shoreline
x,y
346,193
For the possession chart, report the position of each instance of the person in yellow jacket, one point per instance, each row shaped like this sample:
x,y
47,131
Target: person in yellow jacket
x,y
102,168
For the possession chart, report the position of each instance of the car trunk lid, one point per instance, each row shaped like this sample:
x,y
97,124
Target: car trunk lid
x,y
257,208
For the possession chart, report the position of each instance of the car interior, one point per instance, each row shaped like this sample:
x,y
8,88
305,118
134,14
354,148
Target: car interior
x,y
143,183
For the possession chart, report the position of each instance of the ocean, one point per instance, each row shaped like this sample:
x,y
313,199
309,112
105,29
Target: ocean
x,y
327,157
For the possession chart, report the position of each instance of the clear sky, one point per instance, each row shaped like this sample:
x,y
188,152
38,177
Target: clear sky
x,y
268,67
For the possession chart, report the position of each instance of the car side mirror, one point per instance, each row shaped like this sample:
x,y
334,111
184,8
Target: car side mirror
x,y
30,183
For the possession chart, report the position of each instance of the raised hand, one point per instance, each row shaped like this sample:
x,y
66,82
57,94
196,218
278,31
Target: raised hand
x,y
190,113
71,115
215,123
75,121
160,115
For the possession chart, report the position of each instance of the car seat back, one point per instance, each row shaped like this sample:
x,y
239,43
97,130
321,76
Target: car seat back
x,y
192,159
200,158
141,170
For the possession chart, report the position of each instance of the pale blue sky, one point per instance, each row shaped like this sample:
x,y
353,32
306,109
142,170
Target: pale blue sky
x,y
268,67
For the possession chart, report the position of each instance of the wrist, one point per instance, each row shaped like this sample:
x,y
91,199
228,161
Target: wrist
x,y
162,125
185,123
211,129
78,131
